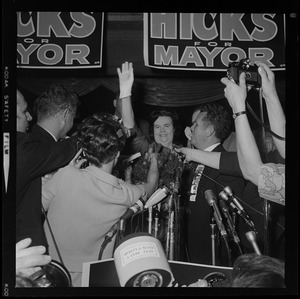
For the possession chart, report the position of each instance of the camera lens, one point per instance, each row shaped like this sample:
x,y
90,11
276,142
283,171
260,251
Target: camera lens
x,y
248,76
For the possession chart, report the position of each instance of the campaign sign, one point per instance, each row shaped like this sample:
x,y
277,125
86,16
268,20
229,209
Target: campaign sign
x,y
59,40
210,41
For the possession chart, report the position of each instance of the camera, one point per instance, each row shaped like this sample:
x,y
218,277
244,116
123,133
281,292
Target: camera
x,y
235,69
81,156
52,275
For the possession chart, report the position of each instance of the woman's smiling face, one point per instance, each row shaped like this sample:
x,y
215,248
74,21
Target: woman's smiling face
x,y
163,129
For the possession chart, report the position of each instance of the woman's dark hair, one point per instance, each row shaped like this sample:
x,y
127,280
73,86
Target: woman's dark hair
x,y
101,138
155,114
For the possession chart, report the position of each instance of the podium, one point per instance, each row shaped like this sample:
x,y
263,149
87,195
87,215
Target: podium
x,y
103,273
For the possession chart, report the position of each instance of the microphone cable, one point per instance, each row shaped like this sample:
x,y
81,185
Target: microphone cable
x,y
108,237
52,235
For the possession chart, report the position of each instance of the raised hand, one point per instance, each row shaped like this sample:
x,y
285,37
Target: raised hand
x,y
126,79
235,94
267,80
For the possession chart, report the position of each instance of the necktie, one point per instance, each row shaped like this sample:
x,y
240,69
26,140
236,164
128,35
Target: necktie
x,y
195,182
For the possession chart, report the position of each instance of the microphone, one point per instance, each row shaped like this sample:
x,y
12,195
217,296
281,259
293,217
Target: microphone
x,y
211,200
234,203
227,215
158,147
157,196
132,158
251,237
138,206
113,230
180,156
228,191
233,209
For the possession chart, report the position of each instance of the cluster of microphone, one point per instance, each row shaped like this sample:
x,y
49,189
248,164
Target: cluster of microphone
x,y
227,196
138,207
226,200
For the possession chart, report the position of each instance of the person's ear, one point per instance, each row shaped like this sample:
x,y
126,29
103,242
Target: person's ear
x,y
65,113
210,130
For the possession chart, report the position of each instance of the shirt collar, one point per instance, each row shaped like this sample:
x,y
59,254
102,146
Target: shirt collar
x,y
104,176
50,133
211,147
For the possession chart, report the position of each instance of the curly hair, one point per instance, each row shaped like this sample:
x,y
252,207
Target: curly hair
x,y
217,116
54,100
155,114
101,138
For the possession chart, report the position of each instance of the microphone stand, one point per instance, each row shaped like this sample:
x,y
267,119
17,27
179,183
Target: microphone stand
x,y
173,231
177,220
225,238
169,228
213,236
266,226
172,237
156,223
150,220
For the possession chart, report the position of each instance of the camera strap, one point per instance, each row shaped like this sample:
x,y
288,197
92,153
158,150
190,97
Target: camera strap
x,y
52,235
263,124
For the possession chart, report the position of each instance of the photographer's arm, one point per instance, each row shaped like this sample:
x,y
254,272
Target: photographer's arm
x,y
226,162
275,112
248,153
211,159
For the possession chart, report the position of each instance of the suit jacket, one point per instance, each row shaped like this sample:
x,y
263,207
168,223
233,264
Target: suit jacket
x,y
37,154
199,214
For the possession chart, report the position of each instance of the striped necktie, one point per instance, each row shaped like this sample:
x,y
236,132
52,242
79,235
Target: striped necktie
x,y
195,182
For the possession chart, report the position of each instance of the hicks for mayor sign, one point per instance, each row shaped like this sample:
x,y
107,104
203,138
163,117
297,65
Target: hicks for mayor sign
x,y
210,41
59,40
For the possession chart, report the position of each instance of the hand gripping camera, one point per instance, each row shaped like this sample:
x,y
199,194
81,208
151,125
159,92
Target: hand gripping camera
x,y
235,69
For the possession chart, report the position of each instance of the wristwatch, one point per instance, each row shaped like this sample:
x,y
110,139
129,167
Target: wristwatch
x,y
235,115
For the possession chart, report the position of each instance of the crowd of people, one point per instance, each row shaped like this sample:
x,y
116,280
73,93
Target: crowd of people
x,y
64,210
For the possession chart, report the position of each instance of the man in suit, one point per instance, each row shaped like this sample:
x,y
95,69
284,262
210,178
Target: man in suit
x,y
210,126
39,153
